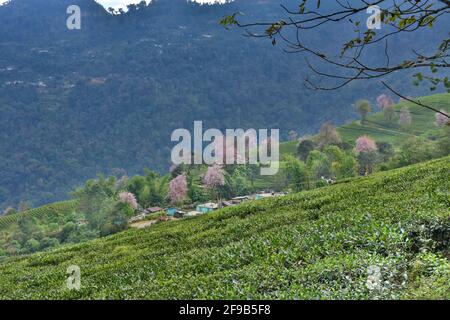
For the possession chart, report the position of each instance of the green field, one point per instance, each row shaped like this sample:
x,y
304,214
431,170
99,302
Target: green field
x,y
389,131
377,128
47,211
319,244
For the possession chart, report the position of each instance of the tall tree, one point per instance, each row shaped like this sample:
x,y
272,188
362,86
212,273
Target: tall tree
x,y
366,150
297,174
441,120
405,118
383,101
364,108
328,134
389,112
213,179
178,189
304,148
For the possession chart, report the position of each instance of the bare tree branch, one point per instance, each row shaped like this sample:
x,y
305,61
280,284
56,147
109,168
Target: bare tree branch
x,y
413,101
398,17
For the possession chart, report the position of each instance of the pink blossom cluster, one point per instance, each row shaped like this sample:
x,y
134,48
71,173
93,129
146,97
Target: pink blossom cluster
x,y
214,177
441,120
365,144
384,101
405,117
224,150
178,188
128,198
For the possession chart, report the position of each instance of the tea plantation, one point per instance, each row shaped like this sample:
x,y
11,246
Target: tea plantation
x,y
384,236
381,129
57,208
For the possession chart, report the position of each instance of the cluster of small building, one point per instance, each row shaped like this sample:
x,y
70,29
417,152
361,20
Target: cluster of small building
x,y
146,213
204,208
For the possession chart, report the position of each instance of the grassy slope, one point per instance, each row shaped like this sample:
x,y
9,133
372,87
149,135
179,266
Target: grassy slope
x,y
378,129
57,208
315,244
389,131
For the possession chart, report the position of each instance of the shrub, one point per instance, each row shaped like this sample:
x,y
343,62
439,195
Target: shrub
x,y
32,245
304,148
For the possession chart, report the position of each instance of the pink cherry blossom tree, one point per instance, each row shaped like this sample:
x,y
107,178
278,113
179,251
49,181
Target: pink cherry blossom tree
x,y
383,101
128,198
178,189
367,155
405,119
365,144
213,179
328,134
441,120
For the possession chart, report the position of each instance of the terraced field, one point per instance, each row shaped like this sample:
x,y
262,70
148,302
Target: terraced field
x,y
382,236
389,131
58,208
378,129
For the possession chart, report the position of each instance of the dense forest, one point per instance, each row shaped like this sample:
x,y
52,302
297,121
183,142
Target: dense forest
x,y
106,98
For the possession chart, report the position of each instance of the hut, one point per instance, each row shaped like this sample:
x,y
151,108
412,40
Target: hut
x,y
171,211
207,207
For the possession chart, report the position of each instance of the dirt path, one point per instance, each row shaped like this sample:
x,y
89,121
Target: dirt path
x,y
143,224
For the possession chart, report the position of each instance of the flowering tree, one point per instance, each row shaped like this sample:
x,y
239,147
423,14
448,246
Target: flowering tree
x,y
328,134
128,198
365,144
178,188
384,101
405,117
441,120
214,178
386,104
367,155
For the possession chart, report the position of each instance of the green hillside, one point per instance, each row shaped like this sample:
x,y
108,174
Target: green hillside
x,y
319,244
378,129
389,131
53,209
